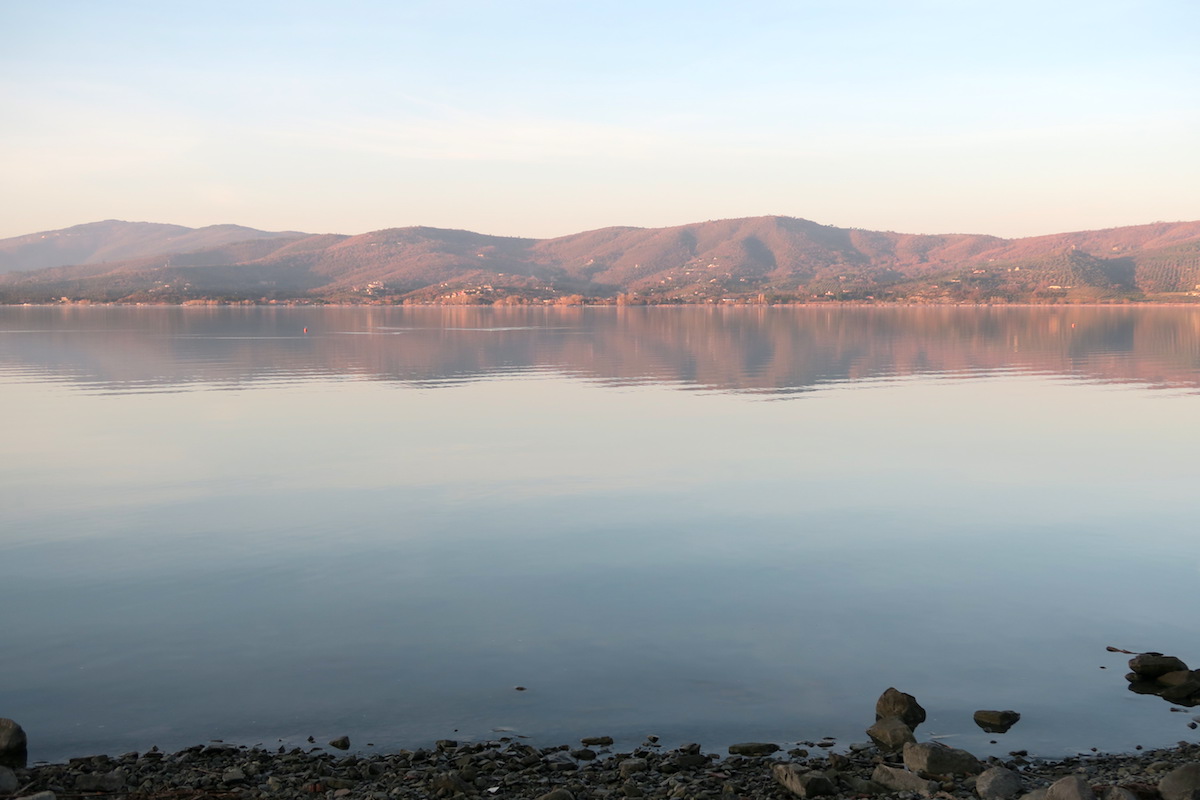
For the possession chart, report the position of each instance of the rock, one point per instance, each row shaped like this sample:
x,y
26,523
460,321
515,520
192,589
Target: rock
x,y
890,734
1175,678
14,750
631,765
938,759
341,743
900,780
1149,666
894,703
8,781
802,783
107,782
1182,783
1072,787
996,721
557,794
234,775
1036,794
1185,694
753,749
40,796
584,754
1117,793
998,783
450,782
599,741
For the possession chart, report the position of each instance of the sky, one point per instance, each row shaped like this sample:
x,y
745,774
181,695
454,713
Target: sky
x,y
543,118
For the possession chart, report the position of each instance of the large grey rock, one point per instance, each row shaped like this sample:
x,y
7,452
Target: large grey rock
x,y
341,743
753,749
998,783
895,703
14,750
40,796
802,783
1181,784
890,734
1149,666
996,721
633,765
901,780
938,759
8,781
1072,787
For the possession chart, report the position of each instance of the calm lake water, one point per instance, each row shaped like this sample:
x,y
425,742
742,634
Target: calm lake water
x,y
713,525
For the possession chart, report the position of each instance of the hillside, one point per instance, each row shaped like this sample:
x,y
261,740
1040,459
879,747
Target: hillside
x,y
756,259
114,241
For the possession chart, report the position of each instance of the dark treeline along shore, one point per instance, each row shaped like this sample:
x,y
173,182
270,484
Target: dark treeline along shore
x,y
753,260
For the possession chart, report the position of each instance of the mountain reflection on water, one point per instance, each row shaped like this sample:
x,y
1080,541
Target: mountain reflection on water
x,y
217,525
775,351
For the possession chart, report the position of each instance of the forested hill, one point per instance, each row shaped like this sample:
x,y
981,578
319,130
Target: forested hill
x,y
755,259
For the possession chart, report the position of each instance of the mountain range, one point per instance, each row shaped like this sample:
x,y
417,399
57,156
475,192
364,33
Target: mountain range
x,y
755,259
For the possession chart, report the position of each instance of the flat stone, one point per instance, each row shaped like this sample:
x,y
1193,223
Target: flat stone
x,y
106,782
802,783
1151,665
234,775
895,703
597,741
1072,787
1182,783
998,783
938,759
901,780
753,749
14,750
40,796
890,734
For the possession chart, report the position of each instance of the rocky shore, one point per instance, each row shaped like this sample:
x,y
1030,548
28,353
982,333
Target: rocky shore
x,y
510,769
893,764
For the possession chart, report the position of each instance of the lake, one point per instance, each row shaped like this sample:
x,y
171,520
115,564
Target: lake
x,y
706,524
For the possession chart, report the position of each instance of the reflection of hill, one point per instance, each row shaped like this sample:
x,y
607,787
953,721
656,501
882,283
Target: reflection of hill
x,y
774,351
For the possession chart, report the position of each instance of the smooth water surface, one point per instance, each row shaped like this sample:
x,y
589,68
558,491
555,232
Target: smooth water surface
x,y
714,525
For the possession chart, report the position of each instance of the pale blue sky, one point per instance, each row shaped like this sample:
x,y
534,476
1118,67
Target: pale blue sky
x,y
542,118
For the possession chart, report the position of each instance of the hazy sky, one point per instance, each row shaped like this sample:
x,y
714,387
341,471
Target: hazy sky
x,y
547,117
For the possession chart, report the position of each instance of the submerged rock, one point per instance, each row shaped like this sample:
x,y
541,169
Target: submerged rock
x,y
996,721
1148,666
753,749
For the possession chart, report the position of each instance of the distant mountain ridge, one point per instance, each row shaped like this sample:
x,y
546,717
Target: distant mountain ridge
x,y
754,259
116,240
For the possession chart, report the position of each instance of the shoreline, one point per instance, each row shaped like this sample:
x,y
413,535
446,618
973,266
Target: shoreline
x,y
507,767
